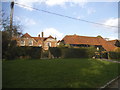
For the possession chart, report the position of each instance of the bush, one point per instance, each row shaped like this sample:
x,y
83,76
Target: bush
x,y
10,51
55,51
65,52
73,53
114,55
90,51
45,54
23,52
31,52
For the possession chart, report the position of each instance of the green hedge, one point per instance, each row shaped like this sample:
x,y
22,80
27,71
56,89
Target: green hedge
x,y
73,52
23,52
31,52
114,55
55,51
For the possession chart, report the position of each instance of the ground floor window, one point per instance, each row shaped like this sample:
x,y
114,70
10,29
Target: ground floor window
x,y
22,43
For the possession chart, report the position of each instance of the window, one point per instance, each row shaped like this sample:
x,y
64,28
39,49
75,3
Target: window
x,y
49,44
22,43
40,45
30,43
97,48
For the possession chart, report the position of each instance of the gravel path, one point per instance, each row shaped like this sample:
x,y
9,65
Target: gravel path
x,y
110,60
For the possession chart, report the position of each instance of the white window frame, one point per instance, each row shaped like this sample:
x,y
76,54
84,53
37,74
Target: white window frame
x,y
22,43
49,44
30,42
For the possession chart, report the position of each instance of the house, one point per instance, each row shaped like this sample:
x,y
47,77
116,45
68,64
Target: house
x,y
85,41
114,42
45,42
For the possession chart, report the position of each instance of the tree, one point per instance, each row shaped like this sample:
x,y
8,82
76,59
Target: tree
x,y
9,43
99,36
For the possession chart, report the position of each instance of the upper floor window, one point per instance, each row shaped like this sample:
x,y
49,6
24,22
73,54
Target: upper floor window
x,y
30,43
49,44
22,43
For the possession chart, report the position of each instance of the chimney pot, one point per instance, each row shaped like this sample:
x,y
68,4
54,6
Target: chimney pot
x,y
42,34
39,35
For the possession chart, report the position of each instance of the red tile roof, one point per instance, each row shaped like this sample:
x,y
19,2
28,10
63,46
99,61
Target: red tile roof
x,y
36,38
48,37
112,41
26,35
51,37
76,39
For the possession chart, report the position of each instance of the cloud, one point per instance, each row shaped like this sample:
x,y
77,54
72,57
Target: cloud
x,y
31,3
62,2
29,22
26,2
111,22
25,21
91,11
53,32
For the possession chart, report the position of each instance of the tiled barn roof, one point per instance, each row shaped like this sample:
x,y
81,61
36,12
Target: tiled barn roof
x,y
76,39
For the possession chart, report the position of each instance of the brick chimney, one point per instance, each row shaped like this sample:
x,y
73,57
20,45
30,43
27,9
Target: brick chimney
x,y
42,34
55,38
38,35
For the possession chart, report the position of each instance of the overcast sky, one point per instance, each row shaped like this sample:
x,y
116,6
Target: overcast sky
x,y
35,22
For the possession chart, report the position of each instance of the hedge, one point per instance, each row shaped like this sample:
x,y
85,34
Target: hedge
x,y
23,52
55,51
87,52
114,55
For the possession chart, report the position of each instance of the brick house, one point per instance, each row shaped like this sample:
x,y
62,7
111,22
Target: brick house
x,y
84,41
46,42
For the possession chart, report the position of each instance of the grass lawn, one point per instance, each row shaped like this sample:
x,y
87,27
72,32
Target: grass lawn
x,y
58,73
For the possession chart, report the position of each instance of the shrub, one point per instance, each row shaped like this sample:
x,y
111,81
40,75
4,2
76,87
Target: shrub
x,y
55,51
90,51
114,55
73,53
45,54
24,52
65,52
10,52
32,52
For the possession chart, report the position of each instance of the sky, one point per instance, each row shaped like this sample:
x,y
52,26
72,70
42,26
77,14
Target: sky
x,y
34,22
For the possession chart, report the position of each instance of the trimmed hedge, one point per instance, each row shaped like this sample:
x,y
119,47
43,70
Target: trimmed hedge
x,y
30,52
74,53
55,51
114,55
87,52
23,52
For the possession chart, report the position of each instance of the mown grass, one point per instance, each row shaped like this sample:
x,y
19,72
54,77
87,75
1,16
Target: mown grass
x,y
58,73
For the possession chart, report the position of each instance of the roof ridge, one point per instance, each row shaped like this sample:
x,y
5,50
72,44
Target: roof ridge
x,y
81,36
